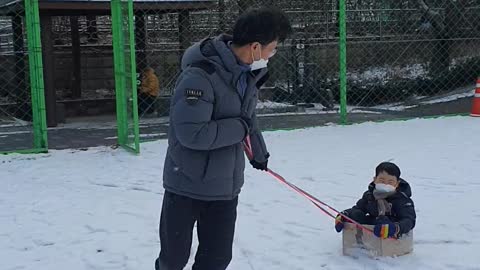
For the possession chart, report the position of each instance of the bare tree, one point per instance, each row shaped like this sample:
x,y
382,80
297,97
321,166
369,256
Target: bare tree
x,y
444,27
434,17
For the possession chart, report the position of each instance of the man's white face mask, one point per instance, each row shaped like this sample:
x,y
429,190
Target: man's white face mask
x,y
260,63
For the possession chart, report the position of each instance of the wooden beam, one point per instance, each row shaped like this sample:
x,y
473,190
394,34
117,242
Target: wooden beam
x,y
48,70
76,82
103,8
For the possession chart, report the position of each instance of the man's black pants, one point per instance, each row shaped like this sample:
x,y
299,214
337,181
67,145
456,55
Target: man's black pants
x,y
215,229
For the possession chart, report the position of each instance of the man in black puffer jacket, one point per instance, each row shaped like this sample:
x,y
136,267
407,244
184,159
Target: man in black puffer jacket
x,y
387,204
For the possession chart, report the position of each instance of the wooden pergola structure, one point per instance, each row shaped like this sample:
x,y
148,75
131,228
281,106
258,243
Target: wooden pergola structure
x,y
75,8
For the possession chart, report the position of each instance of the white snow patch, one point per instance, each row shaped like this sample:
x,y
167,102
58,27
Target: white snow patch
x,y
99,209
272,105
386,73
400,106
449,98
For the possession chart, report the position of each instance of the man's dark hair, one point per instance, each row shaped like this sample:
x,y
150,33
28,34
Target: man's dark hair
x,y
389,168
263,25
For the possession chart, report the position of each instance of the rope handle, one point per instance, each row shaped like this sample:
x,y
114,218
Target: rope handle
x,y
316,202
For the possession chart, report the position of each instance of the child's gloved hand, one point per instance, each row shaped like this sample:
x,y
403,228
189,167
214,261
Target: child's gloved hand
x,y
339,220
385,228
339,223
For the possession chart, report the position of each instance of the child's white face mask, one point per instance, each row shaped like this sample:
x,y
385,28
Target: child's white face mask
x,y
385,188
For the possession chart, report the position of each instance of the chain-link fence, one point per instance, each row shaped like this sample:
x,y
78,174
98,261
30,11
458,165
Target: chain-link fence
x,y
405,58
302,73
412,58
22,109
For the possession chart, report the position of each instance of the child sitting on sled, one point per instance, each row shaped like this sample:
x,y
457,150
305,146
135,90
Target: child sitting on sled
x,y
386,204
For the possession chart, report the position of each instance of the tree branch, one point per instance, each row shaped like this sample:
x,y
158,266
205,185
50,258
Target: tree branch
x,y
433,16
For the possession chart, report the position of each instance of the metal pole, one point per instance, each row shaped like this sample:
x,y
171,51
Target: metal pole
x,y
36,75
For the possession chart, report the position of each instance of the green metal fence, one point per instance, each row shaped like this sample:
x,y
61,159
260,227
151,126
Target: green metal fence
x,y
125,74
412,58
22,103
347,61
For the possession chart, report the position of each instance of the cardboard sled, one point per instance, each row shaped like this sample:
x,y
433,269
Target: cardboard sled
x,y
355,240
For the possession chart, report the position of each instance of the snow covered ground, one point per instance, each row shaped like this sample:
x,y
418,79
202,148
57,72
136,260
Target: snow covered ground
x,y
465,92
382,74
267,104
99,209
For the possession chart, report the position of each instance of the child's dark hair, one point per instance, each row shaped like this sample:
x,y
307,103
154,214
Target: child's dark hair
x,y
263,25
389,168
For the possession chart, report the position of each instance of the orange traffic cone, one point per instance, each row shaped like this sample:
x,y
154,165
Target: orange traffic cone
x,y
476,101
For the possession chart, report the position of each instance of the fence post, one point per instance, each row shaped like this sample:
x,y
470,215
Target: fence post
x,y
125,74
35,64
133,80
119,70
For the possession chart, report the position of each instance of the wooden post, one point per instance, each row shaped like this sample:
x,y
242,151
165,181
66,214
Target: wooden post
x,y
184,30
76,82
48,69
24,110
140,42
